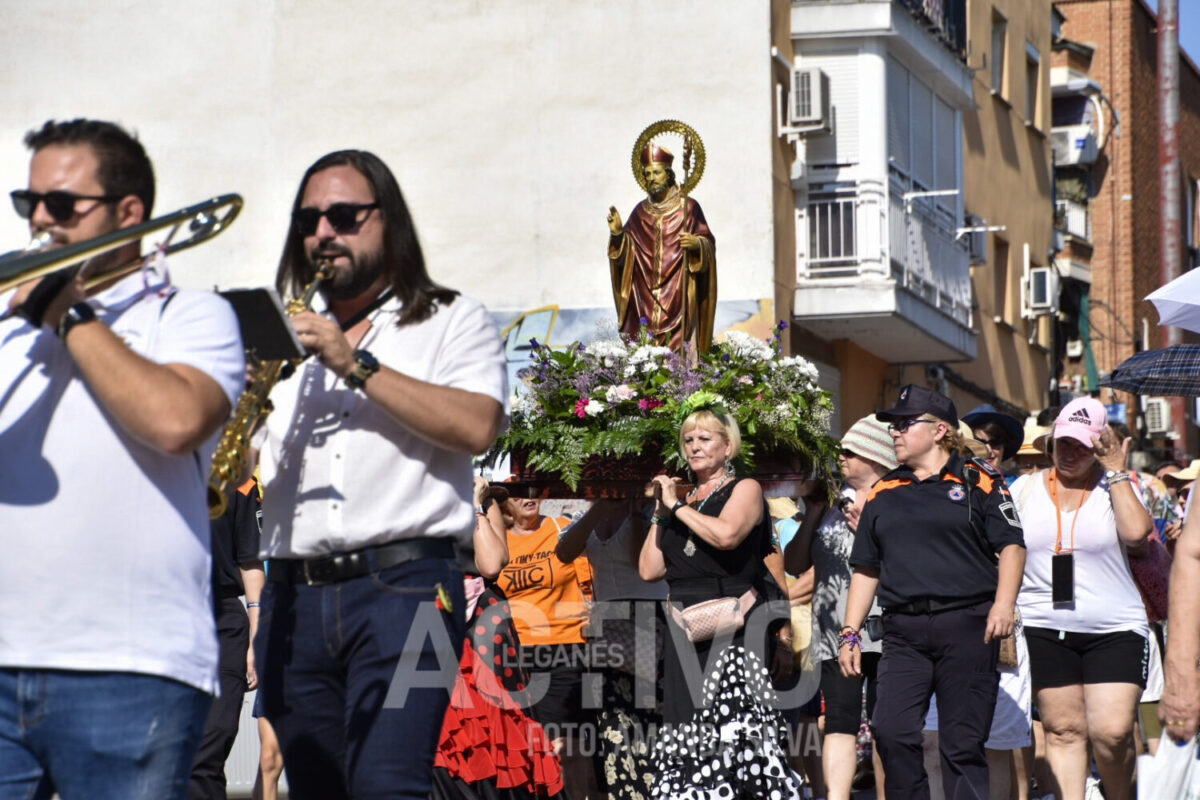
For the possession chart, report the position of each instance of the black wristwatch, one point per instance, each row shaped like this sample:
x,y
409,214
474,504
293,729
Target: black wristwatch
x,y
678,505
80,312
366,366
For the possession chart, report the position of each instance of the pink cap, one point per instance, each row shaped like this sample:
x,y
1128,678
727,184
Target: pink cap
x,y
1081,419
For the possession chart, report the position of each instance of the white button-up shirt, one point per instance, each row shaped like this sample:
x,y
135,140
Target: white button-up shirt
x,y
341,474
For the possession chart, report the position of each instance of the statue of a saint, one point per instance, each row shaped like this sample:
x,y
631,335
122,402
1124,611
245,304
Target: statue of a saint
x,y
663,261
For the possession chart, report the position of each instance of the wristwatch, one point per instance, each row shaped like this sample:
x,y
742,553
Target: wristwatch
x,y
80,312
366,366
1116,475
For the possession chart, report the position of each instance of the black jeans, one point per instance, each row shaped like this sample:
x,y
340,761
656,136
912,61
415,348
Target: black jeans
x,y
942,652
220,730
356,677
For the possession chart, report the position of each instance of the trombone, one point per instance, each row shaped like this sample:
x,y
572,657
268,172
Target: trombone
x,y
203,221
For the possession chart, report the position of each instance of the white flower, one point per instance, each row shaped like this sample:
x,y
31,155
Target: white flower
x,y
593,408
648,353
608,350
523,403
621,393
746,346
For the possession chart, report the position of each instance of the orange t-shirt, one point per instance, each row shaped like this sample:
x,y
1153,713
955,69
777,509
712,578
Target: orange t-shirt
x,y
545,594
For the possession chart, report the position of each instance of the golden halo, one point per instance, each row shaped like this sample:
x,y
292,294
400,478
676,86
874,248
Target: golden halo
x,y
693,147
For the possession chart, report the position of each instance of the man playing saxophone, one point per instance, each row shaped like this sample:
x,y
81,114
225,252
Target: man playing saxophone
x,y
367,488
107,646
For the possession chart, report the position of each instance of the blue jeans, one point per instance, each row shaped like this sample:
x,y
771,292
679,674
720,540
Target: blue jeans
x,y
97,735
356,677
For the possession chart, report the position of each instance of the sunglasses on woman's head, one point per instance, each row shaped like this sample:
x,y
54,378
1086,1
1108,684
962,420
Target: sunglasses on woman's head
x,y
343,217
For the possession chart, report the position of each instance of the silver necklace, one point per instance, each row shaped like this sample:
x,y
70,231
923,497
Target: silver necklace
x,y
689,547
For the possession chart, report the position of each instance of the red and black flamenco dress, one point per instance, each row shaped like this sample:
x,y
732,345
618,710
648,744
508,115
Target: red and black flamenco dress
x,y
489,747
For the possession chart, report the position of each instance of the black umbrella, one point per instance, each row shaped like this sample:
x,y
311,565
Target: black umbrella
x,y
1174,371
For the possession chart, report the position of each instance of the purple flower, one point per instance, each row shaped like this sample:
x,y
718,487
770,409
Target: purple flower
x,y
783,326
644,321
533,343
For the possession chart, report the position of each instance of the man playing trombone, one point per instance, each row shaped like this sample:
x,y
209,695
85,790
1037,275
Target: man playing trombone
x,y
367,489
108,396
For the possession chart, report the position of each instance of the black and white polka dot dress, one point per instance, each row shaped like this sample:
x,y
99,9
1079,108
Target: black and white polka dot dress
x,y
729,741
734,747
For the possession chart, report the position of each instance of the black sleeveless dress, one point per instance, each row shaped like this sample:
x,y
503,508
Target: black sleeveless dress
x,y
723,736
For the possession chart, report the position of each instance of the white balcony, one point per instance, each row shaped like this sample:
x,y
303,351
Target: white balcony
x,y
886,274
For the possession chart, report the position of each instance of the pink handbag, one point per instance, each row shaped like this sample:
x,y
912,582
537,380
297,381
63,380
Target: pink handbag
x,y
712,618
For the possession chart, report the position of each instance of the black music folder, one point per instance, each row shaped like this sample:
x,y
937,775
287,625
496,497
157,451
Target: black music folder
x,y
266,330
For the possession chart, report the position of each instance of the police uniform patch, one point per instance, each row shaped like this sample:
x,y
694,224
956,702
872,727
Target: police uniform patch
x,y
956,493
1009,510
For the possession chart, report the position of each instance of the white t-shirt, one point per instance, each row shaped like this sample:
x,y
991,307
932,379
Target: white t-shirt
x,y
106,563
341,474
1106,598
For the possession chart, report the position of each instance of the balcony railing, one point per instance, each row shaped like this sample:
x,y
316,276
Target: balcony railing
x,y
845,231
926,257
945,19
1073,218
857,229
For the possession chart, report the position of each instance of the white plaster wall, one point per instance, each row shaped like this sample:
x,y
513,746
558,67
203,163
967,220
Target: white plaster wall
x,y
509,123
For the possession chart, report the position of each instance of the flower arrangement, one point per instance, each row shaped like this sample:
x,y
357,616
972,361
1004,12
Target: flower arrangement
x,y
622,397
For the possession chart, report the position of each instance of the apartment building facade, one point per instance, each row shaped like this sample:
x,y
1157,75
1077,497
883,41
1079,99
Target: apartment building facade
x,y
1106,127
922,196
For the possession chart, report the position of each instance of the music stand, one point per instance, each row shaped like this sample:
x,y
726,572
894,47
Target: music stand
x,y
266,330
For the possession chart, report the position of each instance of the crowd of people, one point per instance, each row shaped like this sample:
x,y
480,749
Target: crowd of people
x,y
974,608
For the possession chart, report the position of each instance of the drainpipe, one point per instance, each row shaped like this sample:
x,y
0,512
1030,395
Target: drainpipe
x,y
1170,244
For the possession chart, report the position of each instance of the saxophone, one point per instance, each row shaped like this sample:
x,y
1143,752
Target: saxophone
x,y
229,460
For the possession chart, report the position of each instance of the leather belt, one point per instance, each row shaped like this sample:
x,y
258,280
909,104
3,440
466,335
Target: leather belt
x,y
934,605
337,567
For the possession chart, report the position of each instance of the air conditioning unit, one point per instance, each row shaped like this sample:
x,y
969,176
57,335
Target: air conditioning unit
x,y
809,106
1073,144
1157,414
1042,297
976,240
1074,348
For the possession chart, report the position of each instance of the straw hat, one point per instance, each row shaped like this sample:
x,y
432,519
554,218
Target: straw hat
x,y
782,507
1189,473
1035,440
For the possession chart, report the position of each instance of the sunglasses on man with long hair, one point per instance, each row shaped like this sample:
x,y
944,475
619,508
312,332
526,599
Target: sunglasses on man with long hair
x,y
343,217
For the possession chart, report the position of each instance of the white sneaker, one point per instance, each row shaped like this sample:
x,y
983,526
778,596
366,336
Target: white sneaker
x,y
1092,789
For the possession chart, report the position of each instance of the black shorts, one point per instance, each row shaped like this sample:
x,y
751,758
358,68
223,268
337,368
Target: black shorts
x,y
1063,658
562,707
844,696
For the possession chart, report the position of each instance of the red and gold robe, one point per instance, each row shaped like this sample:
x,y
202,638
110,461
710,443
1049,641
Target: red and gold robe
x,y
654,278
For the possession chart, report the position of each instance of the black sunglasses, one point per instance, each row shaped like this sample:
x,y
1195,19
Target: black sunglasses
x,y
60,204
900,426
343,217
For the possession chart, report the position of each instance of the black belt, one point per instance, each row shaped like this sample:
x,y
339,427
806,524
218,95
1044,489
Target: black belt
x,y
933,605
337,567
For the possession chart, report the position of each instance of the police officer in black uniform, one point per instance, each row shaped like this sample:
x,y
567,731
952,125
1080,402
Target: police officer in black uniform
x,y
940,541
